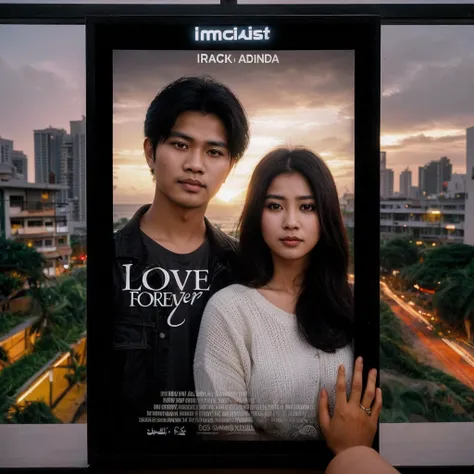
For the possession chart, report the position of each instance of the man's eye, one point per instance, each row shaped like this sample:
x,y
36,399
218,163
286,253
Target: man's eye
x,y
180,145
215,153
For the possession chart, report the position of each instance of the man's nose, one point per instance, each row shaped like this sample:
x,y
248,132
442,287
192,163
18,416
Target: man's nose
x,y
194,161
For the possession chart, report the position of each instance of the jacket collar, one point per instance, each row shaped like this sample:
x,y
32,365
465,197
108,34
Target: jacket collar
x,y
130,243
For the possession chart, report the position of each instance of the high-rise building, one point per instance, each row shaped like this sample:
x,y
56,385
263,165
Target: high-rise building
x,y
49,157
6,149
386,183
445,172
433,177
469,222
405,183
383,160
77,190
20,162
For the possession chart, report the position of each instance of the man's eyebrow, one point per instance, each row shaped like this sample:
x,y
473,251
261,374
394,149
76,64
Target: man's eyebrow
x,y
189,138
283,198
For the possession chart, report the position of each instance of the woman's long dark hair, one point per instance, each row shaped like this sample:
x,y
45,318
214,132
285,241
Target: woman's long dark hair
x,y
324,309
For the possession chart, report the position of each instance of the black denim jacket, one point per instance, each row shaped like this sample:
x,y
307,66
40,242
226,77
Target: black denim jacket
x,y
140,337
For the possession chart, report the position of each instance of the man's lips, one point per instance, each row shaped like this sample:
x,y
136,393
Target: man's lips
x,y
193,182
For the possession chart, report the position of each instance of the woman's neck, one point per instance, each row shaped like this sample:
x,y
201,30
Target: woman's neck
x,y
287,275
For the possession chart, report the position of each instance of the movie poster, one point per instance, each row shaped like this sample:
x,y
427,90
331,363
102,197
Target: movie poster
x,y
169,277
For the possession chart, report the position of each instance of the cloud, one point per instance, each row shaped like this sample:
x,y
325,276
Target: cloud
x,y
305,79
427,76
422,140
35,97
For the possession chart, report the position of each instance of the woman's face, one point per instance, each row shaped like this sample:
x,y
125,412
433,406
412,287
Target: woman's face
x,y
290,225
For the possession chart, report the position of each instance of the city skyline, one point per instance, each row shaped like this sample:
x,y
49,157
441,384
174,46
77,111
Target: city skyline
x,y
427,100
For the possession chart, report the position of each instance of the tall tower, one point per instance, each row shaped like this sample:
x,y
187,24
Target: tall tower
x,y
49,157
78,181
405,183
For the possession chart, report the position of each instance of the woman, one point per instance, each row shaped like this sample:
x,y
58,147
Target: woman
x,y
268,345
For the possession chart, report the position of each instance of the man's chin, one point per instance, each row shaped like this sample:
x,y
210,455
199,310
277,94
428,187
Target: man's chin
x,y
190,204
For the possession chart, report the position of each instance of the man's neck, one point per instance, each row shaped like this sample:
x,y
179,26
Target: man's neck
x,y
175,228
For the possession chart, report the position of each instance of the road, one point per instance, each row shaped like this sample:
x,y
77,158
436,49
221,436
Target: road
x,y
442,353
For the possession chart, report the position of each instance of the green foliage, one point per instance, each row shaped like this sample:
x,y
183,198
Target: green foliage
x,y
413,397
397,253
438,264
9,320
15,375
15,256
32,413
63,322
455,297
8,284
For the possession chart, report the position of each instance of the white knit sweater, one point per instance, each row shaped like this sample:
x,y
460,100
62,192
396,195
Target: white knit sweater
x,y
251,358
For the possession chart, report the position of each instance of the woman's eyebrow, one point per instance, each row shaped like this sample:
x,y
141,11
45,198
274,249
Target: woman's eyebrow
x,y
283,198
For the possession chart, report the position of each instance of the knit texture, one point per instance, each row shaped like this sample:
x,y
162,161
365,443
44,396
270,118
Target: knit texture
x,y
252,360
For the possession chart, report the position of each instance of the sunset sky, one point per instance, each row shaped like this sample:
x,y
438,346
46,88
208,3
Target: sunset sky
x,y
427,103
306,99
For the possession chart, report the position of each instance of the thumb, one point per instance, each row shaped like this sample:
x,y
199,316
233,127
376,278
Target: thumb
x,y
323,412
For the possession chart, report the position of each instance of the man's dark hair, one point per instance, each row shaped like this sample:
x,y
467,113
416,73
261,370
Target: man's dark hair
x,y
324,309
198,94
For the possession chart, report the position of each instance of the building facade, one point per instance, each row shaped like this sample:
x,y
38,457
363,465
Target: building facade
x,y
32,214
428,220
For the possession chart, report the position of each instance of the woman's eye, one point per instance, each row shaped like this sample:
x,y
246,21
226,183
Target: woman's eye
x,y
273,206
308,207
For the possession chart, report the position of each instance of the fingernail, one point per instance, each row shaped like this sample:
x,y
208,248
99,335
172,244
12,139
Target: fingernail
x,y
341,368
359,360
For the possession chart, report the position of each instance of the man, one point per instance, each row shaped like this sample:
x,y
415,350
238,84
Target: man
x,y
169,259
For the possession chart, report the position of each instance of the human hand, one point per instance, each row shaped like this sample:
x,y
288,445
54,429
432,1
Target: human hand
x,y
351,425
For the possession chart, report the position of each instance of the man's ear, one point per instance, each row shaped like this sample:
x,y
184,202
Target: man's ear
x,y
149,152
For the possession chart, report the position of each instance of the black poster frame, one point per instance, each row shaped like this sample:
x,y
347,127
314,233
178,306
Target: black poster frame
x,y
104,35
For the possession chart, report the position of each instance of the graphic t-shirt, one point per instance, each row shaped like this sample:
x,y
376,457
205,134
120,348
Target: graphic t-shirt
x,y
180,299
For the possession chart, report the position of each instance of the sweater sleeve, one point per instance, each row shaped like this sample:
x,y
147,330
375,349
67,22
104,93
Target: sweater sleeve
x,y
222,367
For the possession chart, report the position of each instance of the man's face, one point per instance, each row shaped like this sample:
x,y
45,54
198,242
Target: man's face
x,y
191,165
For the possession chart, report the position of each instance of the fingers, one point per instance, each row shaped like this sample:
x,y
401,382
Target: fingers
x,y
369,393
356,391
341,393
323,411
377,408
